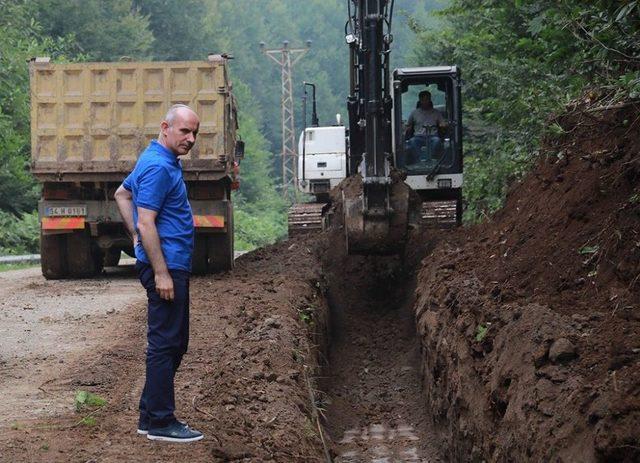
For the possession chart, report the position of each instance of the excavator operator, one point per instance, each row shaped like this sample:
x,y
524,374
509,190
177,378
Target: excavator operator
x,y
422,131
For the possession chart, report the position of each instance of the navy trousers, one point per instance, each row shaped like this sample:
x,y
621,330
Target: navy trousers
x,y
167,341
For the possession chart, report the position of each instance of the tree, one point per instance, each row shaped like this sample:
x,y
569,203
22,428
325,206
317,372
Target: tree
x,y
260,211
21,38
104,31
178,28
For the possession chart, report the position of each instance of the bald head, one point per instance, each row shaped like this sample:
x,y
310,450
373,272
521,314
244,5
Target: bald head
x,y
179,111
179,129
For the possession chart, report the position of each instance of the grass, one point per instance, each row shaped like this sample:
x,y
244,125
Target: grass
x,y
88,402
306,315
86,399
21,266
481,332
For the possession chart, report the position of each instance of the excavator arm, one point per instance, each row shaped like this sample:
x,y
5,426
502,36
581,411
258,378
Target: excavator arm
x,y
376,205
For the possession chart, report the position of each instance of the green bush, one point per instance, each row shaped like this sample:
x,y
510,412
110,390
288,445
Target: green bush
x,y
19,234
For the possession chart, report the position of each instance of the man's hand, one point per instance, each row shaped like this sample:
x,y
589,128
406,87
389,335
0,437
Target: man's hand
x,y
153,249
164,286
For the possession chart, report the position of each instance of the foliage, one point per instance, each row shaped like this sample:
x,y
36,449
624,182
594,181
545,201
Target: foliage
x,y
103,31
178,28
88,402
20,266
84,400
481,332
260,211
19,235
523,60
20,39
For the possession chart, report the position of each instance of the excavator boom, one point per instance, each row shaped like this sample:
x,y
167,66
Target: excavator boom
x,y
375,215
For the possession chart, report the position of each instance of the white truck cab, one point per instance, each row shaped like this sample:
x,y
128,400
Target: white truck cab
x,y
322,159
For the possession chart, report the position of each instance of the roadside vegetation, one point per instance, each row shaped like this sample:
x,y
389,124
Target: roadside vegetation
x,y
21,266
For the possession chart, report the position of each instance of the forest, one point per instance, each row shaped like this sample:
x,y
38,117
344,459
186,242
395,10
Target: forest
x,y
522,60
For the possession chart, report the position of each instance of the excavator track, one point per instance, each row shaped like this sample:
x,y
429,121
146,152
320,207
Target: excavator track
x,y
306,218
440,214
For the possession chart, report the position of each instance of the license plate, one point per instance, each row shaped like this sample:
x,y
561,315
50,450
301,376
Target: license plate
x,y
65,211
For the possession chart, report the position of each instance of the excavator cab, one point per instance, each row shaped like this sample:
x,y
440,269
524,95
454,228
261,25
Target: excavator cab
x,y
431,157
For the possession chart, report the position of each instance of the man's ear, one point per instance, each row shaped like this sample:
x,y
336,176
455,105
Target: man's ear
x,y
164,125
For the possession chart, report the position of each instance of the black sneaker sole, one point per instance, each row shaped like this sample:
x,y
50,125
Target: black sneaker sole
x,y
174,439
142,432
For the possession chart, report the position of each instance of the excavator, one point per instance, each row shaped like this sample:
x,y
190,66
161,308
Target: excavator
x,y
386,158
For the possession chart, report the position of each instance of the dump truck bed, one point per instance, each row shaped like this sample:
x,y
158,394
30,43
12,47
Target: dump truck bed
x,y
89,121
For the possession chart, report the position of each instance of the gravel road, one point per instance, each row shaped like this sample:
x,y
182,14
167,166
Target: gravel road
x,y
44,324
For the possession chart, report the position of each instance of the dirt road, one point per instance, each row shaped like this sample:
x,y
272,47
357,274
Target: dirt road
x,y
47,325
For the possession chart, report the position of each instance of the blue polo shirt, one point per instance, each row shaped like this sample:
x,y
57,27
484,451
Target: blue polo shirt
x,y
156,183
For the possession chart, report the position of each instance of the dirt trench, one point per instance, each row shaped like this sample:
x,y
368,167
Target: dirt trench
x,y
371,380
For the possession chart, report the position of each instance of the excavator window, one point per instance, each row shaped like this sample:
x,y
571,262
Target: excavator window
x,y
427,126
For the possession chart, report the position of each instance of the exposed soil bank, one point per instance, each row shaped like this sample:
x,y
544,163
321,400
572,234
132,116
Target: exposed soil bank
x,y
530,323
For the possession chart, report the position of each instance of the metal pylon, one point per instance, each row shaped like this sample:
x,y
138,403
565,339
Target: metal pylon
x,y
286,58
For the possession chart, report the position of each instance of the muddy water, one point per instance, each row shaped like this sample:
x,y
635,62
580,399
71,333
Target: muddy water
x,y
374,406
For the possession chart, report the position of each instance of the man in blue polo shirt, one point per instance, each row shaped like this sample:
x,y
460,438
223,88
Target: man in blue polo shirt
x,y
156,212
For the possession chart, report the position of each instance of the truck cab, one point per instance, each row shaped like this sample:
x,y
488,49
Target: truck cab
x,y
322,162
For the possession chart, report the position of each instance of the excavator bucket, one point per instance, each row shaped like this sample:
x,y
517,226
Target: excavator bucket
x,y
375,232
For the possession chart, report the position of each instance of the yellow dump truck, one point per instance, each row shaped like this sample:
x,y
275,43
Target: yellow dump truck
x,y
90,121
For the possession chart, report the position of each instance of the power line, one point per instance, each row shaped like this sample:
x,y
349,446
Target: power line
x,y
286,58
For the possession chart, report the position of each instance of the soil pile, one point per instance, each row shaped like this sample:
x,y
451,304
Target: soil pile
x,y
244,382
374,233
531,322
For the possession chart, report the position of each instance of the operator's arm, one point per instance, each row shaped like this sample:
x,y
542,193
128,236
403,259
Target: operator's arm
x,y
151,242
409,132
124,200
442,122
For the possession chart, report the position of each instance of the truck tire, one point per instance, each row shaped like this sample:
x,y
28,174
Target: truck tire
x,y
112,257
53,256
220,248
199,259
83,259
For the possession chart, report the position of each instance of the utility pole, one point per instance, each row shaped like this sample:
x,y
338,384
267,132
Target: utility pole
x,y
286,58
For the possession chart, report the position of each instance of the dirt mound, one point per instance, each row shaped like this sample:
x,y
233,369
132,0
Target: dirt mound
x,y
531,322
245,381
